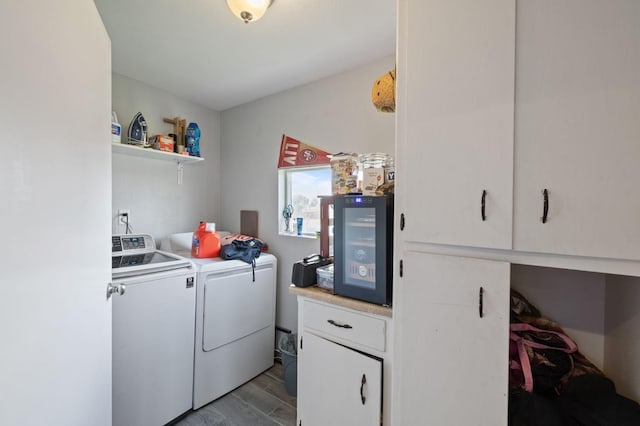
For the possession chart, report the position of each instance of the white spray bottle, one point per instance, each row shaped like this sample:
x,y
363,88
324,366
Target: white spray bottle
x,y
116,129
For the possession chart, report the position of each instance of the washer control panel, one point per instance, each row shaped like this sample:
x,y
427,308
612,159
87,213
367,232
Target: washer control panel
x,y
131,242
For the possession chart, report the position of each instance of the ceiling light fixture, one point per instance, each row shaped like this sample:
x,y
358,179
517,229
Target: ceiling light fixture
x,y
249,10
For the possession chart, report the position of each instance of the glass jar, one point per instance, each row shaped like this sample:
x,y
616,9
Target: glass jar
x,y
344,173
376,160
390,171
375,167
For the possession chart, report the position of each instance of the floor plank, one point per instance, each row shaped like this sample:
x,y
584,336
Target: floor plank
x,y
238,412
284,415
257,397
205,417
261,402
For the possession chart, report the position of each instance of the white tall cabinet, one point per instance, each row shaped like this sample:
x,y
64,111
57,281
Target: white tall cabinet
x,y
497,102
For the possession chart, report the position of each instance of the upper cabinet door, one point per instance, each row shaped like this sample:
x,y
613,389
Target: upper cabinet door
x,y
455,120
577,127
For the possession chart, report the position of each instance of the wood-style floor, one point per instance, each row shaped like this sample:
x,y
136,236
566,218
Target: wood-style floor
x,y
261,402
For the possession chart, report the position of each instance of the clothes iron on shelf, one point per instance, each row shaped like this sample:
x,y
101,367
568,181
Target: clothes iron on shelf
x,y
137,133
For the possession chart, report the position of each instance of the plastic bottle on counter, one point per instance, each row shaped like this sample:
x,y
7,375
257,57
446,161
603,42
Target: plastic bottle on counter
x,y
206,241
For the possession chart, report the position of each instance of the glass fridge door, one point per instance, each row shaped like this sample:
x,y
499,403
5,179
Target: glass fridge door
x,y
360,247
364,248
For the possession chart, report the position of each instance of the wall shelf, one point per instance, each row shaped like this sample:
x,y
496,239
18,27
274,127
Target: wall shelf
x,y
136,151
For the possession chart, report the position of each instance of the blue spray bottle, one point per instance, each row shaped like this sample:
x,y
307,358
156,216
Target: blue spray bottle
x,y
192,139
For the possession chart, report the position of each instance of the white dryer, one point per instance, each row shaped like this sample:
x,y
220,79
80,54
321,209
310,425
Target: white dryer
x,y
235,320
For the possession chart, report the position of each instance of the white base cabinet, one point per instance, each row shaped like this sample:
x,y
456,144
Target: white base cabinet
x,y
338,385
451,365
344,366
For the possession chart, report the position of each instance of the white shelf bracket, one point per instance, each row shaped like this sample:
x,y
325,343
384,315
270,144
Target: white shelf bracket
x,y
180,170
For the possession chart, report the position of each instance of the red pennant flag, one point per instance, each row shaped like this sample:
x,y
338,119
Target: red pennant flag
x,y
294,153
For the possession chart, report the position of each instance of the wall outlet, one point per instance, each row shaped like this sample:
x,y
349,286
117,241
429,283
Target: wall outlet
x,y
121,216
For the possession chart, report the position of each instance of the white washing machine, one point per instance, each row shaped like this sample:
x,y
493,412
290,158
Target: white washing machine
x,y
235,320
153,332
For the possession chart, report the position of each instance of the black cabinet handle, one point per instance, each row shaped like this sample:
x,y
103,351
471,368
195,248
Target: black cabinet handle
x,y
545,209
481,303
362,383
332,322
482,205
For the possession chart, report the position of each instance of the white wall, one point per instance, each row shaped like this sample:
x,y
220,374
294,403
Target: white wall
x,y
600,312
149,188
573,299
622,350
334,114
55,321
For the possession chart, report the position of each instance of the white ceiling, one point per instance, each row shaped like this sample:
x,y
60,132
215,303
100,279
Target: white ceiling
x,y
198,50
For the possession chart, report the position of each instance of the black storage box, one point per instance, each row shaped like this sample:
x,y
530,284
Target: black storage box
x,y
304,271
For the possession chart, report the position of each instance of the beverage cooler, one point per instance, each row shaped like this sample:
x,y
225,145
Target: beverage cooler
x,y
363,247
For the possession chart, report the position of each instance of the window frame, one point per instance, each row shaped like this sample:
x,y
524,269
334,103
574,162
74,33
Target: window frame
x,y
285,197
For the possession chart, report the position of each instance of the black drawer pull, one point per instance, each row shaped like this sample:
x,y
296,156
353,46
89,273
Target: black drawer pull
x,y
332,322
362,383
481,303
545,209
482,205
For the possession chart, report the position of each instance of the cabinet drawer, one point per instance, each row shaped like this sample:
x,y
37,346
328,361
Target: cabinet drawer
x,y
346,325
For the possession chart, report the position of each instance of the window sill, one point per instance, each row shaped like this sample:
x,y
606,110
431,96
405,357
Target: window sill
x,y
305,236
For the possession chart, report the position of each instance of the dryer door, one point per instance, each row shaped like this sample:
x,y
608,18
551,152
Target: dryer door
x,y
235,306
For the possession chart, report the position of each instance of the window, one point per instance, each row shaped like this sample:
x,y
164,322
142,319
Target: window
x,y
298,198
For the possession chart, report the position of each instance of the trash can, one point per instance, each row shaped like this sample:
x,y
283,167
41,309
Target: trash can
x,y
288,348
